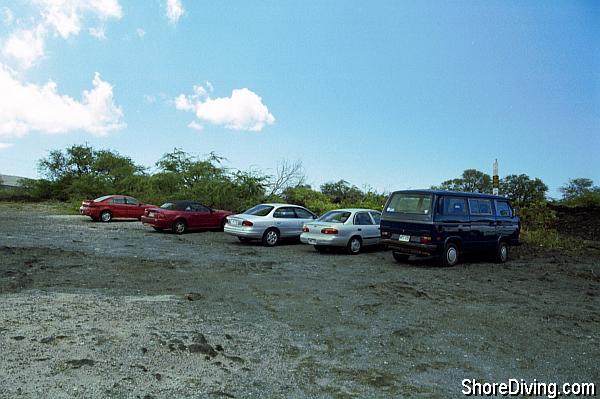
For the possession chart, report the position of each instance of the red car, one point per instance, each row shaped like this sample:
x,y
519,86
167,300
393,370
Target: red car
x,y
181,216
112,207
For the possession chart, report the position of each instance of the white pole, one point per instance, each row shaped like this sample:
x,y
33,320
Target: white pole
x,y
495,179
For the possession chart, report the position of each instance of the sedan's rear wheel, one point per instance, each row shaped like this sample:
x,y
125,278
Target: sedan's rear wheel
x,y
354,246
179,226
106,216
270,237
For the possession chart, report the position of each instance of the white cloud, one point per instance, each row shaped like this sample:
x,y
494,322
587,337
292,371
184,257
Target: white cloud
x,y
140,32
65,15
26,46
195,125
99,32
7,16
4,146
244,110
174,10
26,107
63,18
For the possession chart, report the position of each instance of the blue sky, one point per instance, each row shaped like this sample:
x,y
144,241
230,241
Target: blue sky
x,y
385,94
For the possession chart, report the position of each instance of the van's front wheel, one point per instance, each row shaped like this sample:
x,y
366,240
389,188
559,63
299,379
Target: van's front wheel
x,y
449,256
502,252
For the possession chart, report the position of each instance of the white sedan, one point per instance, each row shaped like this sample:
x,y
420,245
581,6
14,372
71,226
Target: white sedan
x,y
350,228
269,223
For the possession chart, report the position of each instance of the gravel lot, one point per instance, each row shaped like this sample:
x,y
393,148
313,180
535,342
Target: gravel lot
x,y
118,310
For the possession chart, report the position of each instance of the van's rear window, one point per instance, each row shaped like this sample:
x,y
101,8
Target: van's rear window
x,y
409,203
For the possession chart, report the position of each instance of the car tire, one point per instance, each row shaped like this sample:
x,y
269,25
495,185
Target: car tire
x,y
400,257
449,256
157,229
501,252
321,249
106,216
354,245
179,227
270,237
244,239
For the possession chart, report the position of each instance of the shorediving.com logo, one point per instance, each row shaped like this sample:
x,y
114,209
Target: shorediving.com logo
x,y
520,387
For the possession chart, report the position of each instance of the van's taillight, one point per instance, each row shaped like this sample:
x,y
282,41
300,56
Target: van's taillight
x,y
247,223
305,229
329,230
385,233
425,239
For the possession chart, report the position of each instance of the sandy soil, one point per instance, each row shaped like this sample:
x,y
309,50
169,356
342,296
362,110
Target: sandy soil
x,y
117,310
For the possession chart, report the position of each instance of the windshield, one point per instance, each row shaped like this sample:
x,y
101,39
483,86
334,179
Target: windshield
x,y
259,210
335,217
100,199
410,203
168,205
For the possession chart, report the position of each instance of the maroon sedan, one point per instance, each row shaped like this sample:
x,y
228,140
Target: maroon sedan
x,y
181,216
112,207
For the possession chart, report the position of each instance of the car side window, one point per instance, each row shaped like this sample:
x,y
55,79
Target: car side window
x,y
284,213
362,218
376,217
303,213
199,208
131,201
485,207
118,201
503,209
454,206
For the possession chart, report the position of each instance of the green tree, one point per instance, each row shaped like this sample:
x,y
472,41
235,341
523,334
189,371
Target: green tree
x,y
576,188
341,192
523,190
471,180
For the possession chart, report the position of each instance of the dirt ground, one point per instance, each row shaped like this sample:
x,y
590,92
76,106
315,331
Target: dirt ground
x,y
118,310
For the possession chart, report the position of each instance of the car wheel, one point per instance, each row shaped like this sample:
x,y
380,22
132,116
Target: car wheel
x,y
106,216
321,249
179,226
244,239
501,252
449,256
400,257
270,237
157,228
354,246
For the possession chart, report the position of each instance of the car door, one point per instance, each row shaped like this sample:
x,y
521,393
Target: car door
x,y
365,227
134,210
506,223
302,216
200,216
286,221
376,228
118,207
452,220
483,223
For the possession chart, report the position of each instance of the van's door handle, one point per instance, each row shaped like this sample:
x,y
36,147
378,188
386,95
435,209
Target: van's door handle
x,y
359,229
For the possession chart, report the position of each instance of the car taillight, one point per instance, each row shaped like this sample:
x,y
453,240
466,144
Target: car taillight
x,y
247,223
425,239
305,229
385,234
329,230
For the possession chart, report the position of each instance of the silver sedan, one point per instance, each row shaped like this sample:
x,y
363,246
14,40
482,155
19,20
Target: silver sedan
x,y
350,228
269,223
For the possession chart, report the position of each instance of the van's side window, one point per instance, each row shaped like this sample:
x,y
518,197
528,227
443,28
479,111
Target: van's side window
x,y
454,206
480,206
503,209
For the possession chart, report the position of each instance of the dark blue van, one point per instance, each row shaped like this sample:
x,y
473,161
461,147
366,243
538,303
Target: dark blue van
x,y
447,223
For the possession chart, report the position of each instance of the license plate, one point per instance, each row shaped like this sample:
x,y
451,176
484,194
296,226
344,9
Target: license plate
x,y
404,238
312,241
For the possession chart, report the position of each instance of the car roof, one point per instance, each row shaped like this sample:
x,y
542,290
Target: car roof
x,y
353,210
445,192
276,204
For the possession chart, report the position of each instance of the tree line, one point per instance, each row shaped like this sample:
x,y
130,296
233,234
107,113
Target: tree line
x,y
82,172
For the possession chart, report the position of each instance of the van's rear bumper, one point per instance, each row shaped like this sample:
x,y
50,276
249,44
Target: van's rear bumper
x,y
412,248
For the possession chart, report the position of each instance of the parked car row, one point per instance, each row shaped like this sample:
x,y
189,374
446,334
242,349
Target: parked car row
x,y
413,223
